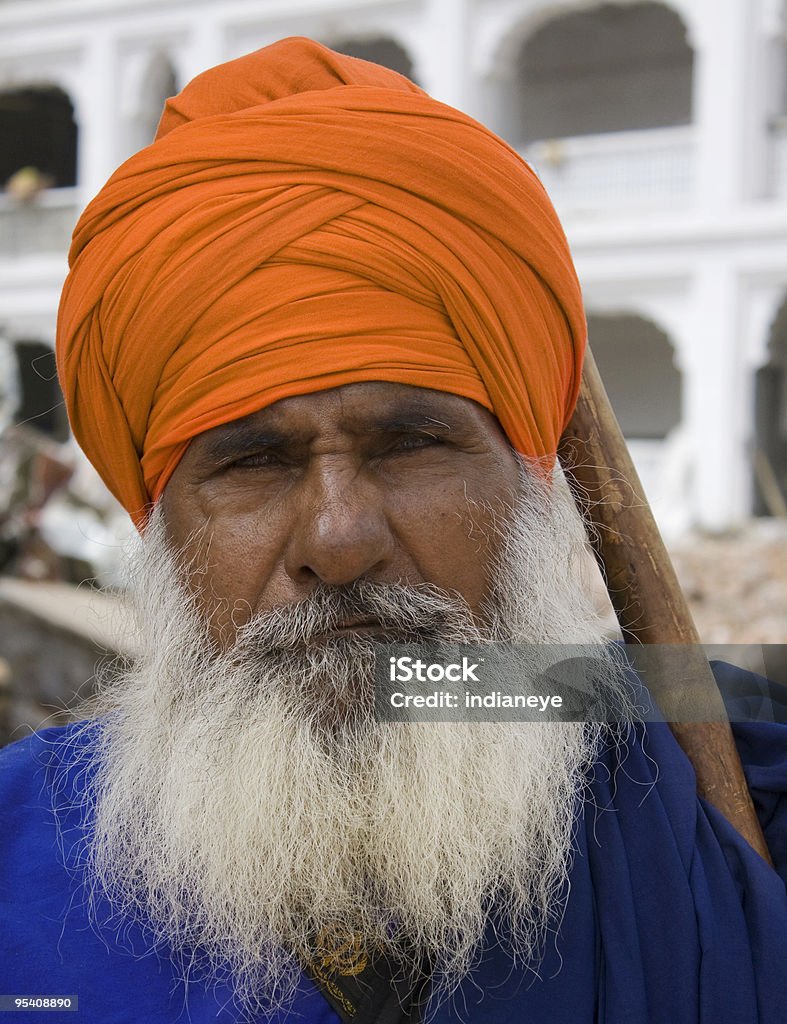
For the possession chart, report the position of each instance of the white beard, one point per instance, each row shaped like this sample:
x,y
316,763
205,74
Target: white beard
x,y
237,815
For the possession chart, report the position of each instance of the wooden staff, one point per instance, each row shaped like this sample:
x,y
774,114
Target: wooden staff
x,y
648,601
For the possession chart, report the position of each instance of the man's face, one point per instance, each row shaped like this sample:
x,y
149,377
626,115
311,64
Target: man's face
x,y
246,798
386,482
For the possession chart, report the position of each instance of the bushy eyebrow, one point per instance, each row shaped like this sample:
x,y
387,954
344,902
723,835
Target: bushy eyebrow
x,y
416,421
239,438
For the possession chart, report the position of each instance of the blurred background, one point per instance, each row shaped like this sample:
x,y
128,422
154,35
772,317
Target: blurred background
x,y
660,131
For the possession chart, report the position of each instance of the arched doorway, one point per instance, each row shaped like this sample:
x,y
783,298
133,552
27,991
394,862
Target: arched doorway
x,y
37,129
609,68
636,362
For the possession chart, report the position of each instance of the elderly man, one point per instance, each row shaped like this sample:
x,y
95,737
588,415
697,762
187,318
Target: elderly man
x,y
321,339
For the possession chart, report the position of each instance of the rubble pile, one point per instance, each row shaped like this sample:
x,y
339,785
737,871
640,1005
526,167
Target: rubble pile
x,y
736,583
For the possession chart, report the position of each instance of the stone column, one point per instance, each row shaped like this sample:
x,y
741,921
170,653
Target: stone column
x,y
716,398
724,39
95,110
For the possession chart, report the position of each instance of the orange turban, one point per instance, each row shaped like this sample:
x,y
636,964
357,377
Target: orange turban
x,y
305,220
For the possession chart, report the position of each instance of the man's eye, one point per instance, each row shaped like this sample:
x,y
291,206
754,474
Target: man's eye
x,y
259,460
414,442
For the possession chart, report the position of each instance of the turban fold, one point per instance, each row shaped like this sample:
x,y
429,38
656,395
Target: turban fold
x,y
305,220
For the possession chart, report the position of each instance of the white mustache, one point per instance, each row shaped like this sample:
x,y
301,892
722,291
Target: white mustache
x,y
419,614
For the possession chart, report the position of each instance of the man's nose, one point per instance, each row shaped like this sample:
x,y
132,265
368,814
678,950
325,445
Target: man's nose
x,y
340,531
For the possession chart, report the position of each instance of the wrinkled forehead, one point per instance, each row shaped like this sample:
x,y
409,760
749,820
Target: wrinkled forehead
x,y
359,411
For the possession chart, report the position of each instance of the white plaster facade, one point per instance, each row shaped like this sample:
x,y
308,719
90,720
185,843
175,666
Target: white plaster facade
x,y
682,225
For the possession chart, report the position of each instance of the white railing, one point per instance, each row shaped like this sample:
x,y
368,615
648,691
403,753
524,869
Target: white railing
x,y
594,173
39,226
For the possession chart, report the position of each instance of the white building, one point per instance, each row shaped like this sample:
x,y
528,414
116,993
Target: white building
x,y
660,129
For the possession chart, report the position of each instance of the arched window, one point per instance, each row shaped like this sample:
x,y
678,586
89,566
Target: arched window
x,y
770,432
380,50
37,129
610,68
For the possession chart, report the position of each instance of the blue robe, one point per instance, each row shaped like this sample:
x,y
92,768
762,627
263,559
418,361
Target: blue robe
x,y
671,918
